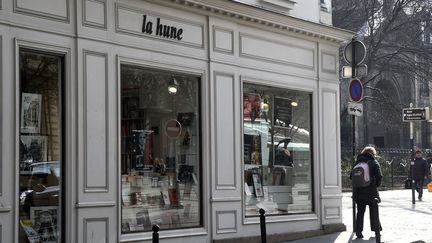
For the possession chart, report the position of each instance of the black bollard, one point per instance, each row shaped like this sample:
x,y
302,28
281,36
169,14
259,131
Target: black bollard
x,y
377,222
155,238
263,226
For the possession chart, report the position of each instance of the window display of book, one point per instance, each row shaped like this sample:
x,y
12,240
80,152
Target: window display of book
x,y
168,204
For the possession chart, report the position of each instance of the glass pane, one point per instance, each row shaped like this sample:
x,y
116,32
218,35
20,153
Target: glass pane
x,y
160,150
40,157
277,150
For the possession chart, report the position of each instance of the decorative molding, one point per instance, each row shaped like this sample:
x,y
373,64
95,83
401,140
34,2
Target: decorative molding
x,y
269,19
220,226
331,196
139,33
1,115
310,66
332,212
221,49
336,171
327,57
5,209
41,14
219,185
286,4
89,23
88,221
102,188
225,199
95,204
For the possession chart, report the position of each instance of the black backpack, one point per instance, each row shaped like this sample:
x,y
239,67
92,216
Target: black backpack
x,y
361,175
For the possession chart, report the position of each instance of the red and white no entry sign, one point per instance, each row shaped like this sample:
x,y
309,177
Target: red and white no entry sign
x,y
173,128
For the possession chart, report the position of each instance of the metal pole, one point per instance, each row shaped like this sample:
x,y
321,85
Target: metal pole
x,y
377,228
353,64
155,238
263,226
412,161
412,158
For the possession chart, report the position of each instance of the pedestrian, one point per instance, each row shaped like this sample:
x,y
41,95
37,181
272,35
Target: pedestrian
x,y
364,195
419,171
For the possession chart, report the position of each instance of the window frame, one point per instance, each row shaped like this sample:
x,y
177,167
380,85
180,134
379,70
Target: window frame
x,y
64,55
203,153
312,92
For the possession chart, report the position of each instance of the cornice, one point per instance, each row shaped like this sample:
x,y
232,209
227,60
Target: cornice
x,y
266,18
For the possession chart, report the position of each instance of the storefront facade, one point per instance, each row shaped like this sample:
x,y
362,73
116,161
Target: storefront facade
x,y
193,115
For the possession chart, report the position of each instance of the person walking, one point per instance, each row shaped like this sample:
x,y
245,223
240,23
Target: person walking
x,y
365,192
419,171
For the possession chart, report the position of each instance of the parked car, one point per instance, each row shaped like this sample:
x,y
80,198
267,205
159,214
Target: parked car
x,y
40,185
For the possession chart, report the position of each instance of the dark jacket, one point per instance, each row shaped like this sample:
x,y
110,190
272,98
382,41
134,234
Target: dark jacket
x,y
420,169
366,195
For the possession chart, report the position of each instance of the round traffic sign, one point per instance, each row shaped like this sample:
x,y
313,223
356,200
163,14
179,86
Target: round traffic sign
x,y
360,52
356,90
173,128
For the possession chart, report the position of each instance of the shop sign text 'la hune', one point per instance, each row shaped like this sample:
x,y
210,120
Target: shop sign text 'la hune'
x,y
161,30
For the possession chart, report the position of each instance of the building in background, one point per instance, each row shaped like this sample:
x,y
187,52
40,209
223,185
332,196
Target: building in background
x,y
192,115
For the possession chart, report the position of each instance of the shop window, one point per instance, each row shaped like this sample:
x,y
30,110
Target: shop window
x,y
160,150
277,152
40,150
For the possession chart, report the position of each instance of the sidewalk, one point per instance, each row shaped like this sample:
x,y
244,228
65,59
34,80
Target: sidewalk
x,y
402,221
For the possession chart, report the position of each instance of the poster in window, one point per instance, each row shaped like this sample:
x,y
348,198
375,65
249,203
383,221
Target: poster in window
x,y
282,112
142,218
45,223
252,149
31,107
257,185
251,107
34,148
142,146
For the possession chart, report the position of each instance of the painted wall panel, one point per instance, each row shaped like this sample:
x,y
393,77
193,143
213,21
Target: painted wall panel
x,y
275,51
332,212
96,230
95,105
224,131
56,9
329,106
226,221
1,116
94,13
328,62
223,40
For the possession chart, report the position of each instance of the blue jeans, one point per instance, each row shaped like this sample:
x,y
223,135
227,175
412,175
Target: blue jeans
x,y
419,186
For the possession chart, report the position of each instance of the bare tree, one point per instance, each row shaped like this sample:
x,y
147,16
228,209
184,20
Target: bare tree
x,y
397,35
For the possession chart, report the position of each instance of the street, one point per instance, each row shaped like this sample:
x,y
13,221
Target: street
x,y
402,221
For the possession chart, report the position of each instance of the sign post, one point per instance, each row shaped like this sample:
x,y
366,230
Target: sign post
x,y
411,115
354,54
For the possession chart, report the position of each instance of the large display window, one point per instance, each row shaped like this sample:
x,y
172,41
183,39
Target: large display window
x,y
277,158
160,150
40,150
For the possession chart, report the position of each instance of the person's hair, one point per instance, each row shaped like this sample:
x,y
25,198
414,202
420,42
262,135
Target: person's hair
x,y
370,150
418,151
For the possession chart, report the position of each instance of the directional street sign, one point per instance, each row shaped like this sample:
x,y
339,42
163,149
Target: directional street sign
x,y
415,114
355,108
356,90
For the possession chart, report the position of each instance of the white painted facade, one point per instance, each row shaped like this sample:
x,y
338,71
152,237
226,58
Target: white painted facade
x,y
225,44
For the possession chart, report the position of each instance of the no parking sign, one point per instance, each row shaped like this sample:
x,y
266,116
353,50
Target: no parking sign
x,y
356,90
